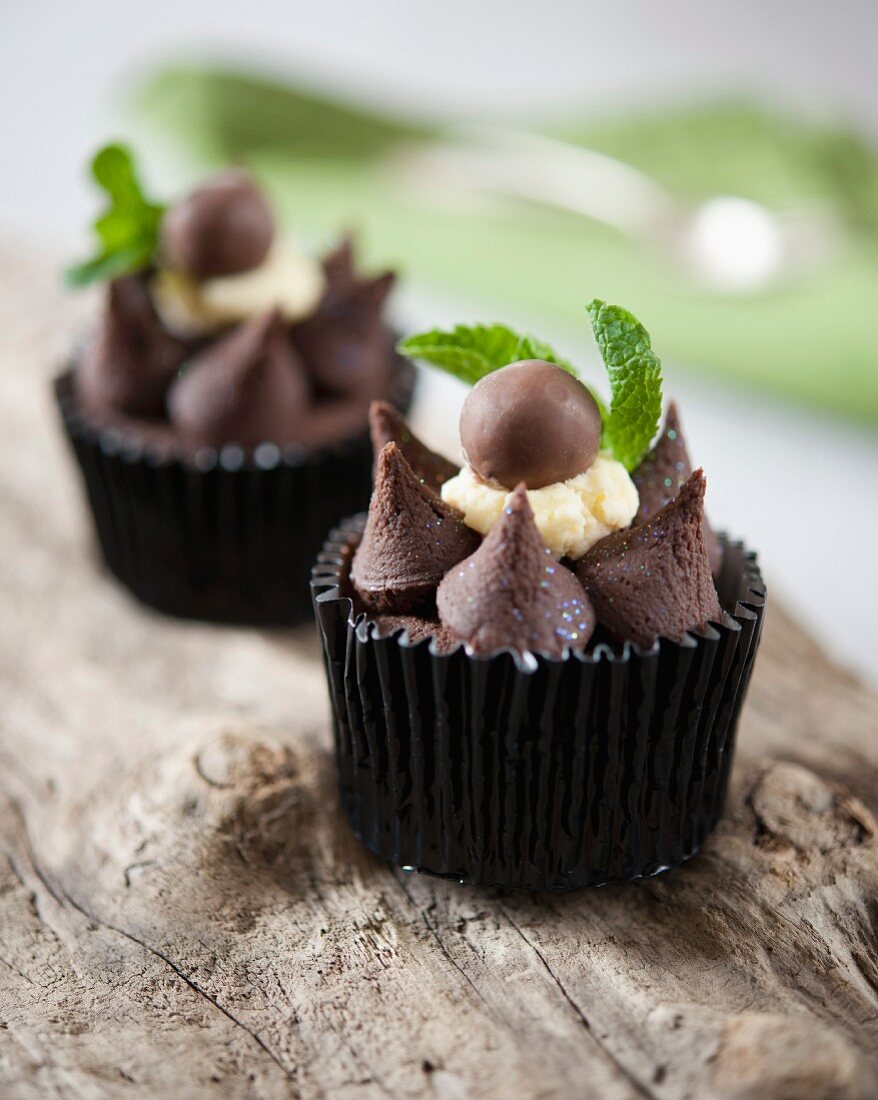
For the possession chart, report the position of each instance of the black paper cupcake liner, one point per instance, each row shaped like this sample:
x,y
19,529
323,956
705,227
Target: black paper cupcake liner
x,y
228,537
528,772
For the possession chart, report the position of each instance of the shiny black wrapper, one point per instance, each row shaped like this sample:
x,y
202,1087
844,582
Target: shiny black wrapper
x,y
228,538
530,772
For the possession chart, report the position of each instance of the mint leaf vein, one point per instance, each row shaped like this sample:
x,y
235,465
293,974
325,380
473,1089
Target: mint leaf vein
x,y
635,374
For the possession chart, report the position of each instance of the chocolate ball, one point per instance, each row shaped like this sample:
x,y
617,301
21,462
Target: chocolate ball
x,y
530,422
222,228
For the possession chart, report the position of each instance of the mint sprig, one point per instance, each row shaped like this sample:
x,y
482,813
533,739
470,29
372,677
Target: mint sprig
x,y
128,229
469,352
635,373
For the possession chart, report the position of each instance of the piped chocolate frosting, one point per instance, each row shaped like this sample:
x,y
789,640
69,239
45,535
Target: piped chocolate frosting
x,y
662,473
346,345
247,388
388,425
341,274
512,593
129,366
410,541
531,421
223,227
418,629
654,580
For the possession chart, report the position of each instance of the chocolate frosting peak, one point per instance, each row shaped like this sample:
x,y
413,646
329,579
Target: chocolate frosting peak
x,y
512,593
654,580
129,366
410,541
660,476
388,425
346,345
341,273
247,388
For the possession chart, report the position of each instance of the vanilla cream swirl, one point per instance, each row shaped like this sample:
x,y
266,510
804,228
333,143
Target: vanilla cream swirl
x,y
571,515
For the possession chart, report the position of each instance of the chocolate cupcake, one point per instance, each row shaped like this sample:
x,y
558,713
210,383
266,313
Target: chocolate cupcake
x,y
549,701
219,414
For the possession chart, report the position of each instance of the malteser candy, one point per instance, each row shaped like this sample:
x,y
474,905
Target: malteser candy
x,y
530,422
222,228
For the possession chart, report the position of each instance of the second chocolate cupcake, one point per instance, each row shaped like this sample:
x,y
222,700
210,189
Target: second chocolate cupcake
x,y
219,413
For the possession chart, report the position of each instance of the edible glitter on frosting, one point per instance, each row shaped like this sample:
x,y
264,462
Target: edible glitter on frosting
x,y
661,475
511,592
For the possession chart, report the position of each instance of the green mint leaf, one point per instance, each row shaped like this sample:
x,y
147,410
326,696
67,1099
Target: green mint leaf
x,y
103,268
128,229
469,352
112,169
635,373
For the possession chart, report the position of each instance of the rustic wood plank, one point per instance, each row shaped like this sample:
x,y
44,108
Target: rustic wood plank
x,y
183,911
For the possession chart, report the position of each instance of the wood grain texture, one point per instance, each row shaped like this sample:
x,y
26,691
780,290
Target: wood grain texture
x,y
184,913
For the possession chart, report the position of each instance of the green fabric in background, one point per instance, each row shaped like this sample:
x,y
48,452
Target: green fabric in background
x,y
330,165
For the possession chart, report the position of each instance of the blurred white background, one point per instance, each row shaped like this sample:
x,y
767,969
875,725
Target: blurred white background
x,y
64,62
799,487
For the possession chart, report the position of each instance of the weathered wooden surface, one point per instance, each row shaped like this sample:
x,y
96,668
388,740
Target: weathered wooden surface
x,y
183,912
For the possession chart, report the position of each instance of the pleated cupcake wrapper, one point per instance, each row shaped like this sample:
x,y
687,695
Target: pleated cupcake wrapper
x,y
531,772
227,538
